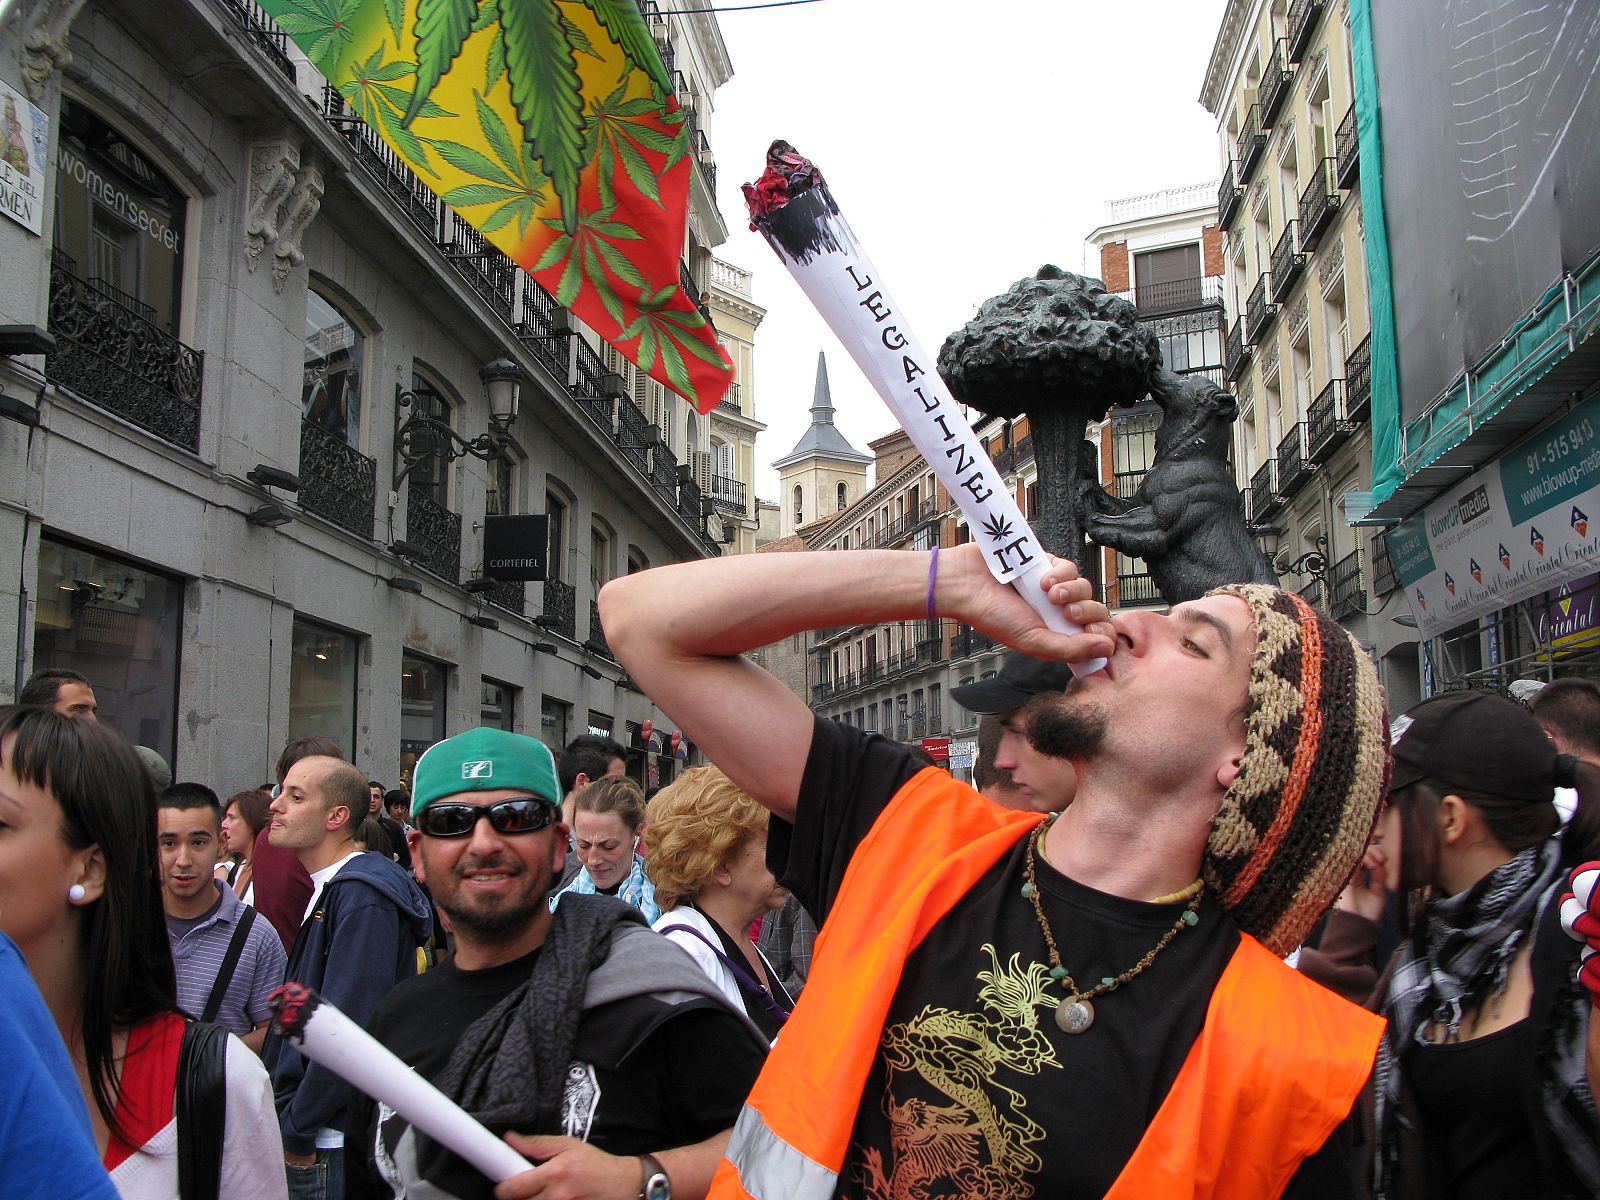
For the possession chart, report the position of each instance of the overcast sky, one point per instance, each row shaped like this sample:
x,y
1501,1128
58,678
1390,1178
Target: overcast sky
x,y
967,145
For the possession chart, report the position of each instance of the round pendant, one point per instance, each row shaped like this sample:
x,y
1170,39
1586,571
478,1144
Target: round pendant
x,y
1074,1016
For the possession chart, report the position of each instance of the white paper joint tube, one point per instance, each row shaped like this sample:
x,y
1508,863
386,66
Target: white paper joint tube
x,y
814,241
326,1036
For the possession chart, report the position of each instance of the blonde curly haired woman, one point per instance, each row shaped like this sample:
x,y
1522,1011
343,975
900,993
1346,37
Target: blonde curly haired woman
x,y
708,861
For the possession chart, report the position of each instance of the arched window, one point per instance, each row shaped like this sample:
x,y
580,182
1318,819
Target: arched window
x,y
330,386
799,506
429,475
555,506
843,496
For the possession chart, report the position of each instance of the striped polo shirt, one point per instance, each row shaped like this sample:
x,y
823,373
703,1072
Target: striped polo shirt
x,y
198,948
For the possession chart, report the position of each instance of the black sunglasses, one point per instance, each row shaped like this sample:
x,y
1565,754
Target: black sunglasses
x,y
521,814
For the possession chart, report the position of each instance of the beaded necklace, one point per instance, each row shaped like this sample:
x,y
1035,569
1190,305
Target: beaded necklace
x,y
1076,1013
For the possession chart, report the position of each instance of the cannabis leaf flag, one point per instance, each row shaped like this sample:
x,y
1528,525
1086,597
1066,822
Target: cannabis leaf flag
x,y
550,125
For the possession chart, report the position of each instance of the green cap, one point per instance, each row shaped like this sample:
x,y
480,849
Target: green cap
x,y
482,760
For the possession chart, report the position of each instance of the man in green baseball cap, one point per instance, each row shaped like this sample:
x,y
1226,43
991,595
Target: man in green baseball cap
x,y
522,1028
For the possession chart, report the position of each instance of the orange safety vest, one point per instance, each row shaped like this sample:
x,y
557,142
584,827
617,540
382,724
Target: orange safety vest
x,y
1276,1067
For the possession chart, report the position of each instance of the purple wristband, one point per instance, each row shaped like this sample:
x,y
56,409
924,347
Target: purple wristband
x,y
933,571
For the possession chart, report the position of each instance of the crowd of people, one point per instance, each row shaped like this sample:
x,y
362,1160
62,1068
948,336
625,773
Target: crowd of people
x,y
1205,916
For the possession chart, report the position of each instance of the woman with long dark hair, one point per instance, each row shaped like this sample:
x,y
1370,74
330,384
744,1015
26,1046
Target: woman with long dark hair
x,y
80,894
1482,1085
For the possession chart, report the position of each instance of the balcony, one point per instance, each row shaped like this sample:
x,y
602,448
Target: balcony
x,y
1348,147
688,497
1358,381
635,435
1287,263
1251,144
536,330
396,180
437,531
337,481
1259,311
1384,580
1264,498
559,604
486,270
1326,426
1303,16
903,526
1347,597
263,33
1318,203
691,288
706,159
1312,594
728,494
597,633
1136,588
1236,353
968,642
664,473
588,387
1229,198
509,594
1277,81
1175,295
732,401
1294,468
111,355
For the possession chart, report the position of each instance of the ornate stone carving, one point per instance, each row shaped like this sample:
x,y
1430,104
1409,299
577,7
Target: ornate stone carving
x,y
1269,360
44,44
299,211
272,178
1332,265
1299,314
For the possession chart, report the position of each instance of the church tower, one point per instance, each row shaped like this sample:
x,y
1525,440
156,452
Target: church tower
x,y
824,473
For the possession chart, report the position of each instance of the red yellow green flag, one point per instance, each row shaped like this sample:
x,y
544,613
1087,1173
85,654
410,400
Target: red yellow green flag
x,y
552,127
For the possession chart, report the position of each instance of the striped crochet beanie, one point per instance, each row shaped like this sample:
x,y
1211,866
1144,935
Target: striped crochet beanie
x,y
1315,770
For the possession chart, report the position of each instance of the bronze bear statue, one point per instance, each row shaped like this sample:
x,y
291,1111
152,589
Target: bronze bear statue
x,y
1186,520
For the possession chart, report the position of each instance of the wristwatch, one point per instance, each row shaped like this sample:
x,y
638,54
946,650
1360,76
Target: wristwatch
x,y
654,1184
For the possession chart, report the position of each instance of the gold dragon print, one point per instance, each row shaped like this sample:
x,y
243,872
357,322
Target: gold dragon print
x,y
981,1142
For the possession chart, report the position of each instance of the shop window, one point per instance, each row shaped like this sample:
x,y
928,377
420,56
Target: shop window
x,y
600,724
554,717
423,684
119,626
322,685
118,218
498,706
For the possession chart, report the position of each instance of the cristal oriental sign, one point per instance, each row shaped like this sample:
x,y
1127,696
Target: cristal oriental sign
x,y
1520,526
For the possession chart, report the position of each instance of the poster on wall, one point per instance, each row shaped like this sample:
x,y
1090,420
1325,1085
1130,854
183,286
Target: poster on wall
x,y
22,160
1527,523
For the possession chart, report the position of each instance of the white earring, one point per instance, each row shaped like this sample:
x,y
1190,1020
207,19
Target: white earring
x,y
76,893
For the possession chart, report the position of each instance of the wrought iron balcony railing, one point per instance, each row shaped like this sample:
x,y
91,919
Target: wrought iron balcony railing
x,y
1135,588
1236,353
1251,144
437,531
1318,203
559,608
597,633
1229,197
397,180
1384,580
1287,263
1347,596
263,33
488,271
1294,468
1264,498
1326,426
664,473
1176,295
1348,146
1358,381
588,387
731,400
118,360
1303,16
703,156
1259,311
1277,80
535,328
337,481
1312,594
509,594
903,527
690,287
635,435
688,497
728,493
968,642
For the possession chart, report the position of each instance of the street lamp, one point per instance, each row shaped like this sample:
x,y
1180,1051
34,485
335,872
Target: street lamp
x,y
422,436
1313,563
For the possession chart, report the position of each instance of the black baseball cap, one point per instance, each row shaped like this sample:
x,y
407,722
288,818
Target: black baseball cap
x,y
1477,741
1021,678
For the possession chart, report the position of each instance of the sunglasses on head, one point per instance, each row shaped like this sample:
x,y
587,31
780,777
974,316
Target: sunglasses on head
x,y
520,814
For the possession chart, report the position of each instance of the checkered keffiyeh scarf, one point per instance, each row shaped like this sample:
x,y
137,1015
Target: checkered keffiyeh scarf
x,y
1457,962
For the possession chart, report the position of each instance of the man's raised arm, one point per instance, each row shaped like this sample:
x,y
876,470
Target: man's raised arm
x,y
680,632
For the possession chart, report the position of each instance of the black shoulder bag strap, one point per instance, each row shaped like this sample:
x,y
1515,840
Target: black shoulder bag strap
x,y
201,1105
230,963
740,971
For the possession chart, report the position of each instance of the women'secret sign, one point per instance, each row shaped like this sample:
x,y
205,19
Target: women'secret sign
x,y
794,210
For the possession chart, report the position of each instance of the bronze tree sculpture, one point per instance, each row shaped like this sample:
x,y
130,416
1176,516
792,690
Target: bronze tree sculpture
x,y
1060,349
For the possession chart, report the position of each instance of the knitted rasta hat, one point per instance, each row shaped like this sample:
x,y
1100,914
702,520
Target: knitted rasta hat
x,y
1315,770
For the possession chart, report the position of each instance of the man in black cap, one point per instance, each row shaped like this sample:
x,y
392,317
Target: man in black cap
x,y
1009,770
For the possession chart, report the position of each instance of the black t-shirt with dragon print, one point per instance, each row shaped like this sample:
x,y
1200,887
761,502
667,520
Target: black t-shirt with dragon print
x,y
975,1091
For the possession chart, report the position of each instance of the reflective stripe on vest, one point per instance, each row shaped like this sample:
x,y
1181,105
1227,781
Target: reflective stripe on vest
x,y
934,840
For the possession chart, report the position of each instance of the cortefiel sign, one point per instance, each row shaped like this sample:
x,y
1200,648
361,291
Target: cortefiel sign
x,y
1518,527
516,547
